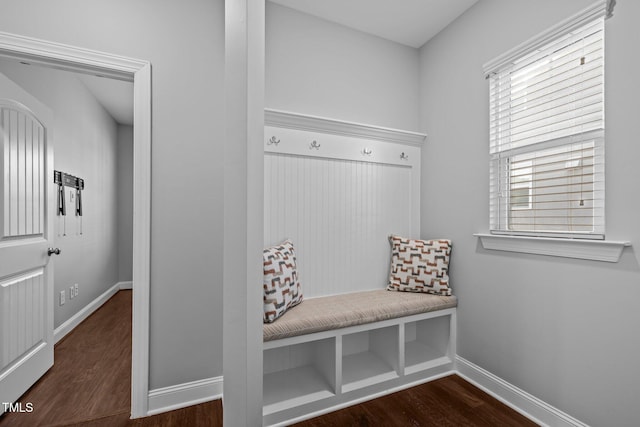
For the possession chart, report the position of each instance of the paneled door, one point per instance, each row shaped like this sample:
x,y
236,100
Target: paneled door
x,y
27,200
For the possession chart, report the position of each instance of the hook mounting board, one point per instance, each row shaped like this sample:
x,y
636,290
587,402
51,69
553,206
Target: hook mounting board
x,y
67,180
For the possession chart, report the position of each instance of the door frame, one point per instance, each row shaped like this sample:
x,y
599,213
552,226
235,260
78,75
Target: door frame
x,y
64,57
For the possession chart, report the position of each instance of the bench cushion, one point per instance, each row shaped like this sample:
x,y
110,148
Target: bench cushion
x,y
339,311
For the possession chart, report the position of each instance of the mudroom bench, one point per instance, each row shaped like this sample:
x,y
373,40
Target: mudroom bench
x,y
334,351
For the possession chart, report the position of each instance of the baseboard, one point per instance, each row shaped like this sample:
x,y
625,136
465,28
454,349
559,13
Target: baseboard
x,y
62,330
183,395
125,285
530,406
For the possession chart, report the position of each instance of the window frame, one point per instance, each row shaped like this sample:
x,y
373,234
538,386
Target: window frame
x,y
501,210
585,249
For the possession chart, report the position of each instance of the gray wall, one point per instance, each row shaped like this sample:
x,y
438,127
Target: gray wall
x,y
316,67
184,41
563,330
85,144
125,203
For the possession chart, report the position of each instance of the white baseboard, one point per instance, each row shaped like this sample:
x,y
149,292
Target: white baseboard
x,y
125,285
77,318
183,395
530,406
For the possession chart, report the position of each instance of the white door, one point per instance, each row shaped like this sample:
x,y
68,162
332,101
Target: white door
x,y
27,200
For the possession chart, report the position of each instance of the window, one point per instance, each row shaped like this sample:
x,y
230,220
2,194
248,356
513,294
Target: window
x,y
547,136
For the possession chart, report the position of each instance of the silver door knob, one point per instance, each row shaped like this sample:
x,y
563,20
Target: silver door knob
x,y
52,251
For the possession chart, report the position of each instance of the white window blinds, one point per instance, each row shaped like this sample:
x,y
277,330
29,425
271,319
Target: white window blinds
x,y
547,137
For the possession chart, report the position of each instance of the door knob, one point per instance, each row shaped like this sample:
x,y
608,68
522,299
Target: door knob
x,y
52,251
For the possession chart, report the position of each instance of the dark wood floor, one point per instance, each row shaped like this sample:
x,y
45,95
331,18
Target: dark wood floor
x,y
89,385
446,402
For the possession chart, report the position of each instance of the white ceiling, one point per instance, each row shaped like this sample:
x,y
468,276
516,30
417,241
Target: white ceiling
x,y
115,96
408,22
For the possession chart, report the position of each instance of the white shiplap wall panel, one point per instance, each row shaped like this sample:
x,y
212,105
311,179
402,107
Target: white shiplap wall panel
x,y
339,205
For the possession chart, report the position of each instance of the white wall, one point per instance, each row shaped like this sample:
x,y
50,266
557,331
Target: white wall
x,y
316,67
125,203
184,41
563,330
85,143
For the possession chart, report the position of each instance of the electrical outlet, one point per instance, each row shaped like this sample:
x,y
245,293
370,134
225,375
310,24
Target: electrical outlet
x,y
71,295
62,297
75,289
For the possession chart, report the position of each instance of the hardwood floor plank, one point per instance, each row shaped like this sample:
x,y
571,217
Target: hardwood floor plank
x,y
446,402
207,414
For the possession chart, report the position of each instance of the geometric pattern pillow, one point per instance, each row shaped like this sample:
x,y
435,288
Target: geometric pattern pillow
x,y
281,285
419,265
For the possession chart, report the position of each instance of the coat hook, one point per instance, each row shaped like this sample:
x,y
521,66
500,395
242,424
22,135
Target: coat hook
x,y
367,151
404,156
315,145
273,141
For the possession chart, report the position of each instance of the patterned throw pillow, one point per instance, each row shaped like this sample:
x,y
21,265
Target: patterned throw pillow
x,y
281,285
419,265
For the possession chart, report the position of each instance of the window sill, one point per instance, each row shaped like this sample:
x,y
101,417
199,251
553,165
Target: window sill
x,y
597,250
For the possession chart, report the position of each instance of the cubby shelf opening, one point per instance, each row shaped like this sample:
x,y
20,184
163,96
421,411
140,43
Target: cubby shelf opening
x,y
426,344
298,374
369,357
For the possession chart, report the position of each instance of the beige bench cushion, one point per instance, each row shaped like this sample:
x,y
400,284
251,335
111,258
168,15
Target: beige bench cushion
x,y
339,311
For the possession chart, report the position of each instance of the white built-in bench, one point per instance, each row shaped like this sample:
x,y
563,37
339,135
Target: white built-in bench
x,y
338,190
334,351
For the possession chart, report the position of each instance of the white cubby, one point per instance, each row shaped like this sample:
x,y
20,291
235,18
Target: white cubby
x,y
312,374
369,357
298,374
426,344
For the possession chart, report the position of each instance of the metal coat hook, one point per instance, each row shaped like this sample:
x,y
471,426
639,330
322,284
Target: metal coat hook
x,y
404,156
367,151
62,202
314,144
79,201
273,141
